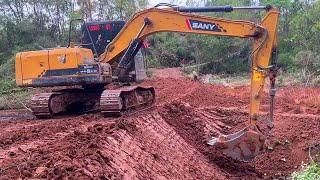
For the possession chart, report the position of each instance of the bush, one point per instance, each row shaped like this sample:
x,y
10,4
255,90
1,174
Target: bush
x,y
308,62
286,62
149,73
15,100
7,77
307,66
168,59
308,172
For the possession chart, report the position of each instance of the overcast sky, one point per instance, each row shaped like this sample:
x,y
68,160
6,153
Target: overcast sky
x,y
155,2
183,2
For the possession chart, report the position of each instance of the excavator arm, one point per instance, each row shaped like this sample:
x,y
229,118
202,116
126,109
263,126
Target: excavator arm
x,y
247,143
150,21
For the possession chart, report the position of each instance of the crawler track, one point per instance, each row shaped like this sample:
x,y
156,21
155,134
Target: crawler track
x,y
113,102
71,101
79,101
40,105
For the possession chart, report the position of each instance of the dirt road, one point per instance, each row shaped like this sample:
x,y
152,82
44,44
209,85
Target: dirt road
x,y
166,141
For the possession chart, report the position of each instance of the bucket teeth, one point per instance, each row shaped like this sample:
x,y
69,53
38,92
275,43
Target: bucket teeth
x,y
213,141
244,145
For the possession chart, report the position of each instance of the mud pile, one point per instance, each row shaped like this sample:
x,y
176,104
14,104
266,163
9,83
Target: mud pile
x,y
166,141
144,147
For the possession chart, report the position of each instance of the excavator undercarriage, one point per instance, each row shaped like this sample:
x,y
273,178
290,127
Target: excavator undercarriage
x,y
80,101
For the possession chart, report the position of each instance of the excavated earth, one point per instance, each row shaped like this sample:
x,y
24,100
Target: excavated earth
x,y
165,141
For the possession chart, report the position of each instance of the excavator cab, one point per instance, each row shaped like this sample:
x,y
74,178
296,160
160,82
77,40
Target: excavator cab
x,y
101,32
78,63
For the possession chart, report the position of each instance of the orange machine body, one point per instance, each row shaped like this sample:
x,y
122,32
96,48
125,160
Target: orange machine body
x,y
58,67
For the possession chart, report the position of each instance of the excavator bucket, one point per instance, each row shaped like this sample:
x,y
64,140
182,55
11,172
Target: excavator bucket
x,y
244,145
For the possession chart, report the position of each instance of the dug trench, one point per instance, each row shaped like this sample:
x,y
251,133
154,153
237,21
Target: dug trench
x,y
166,141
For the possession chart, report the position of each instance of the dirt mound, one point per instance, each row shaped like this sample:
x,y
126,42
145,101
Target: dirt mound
x,y
197,94
198,126
169,89
144,147
166,141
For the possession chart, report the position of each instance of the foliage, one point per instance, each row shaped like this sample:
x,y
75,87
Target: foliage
x,y
33,25
7,80
220,54
298,39
226,79
15,100
308,172
10,96
149,73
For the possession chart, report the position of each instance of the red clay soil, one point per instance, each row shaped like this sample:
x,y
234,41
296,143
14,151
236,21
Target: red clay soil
x,y
165,141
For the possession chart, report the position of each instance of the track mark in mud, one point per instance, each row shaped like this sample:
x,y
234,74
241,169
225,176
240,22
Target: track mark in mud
x,y
12,115
138,148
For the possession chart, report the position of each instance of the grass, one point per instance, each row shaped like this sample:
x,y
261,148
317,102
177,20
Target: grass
x,y
283,79
225,80
149,73
297,79
11,97
231,81
16,99
308,172
290,78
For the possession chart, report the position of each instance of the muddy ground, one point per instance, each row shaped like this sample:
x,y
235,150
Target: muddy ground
x,y
165,141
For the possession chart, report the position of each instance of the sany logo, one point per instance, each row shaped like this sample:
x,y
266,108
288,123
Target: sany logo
x,y
202,26
199,25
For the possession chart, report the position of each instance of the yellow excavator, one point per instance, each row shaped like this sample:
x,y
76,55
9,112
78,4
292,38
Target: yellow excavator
x,y
108,56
